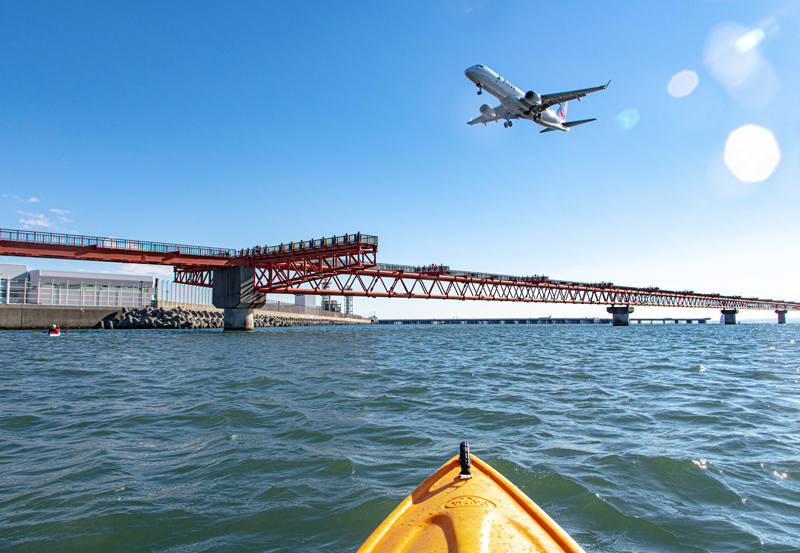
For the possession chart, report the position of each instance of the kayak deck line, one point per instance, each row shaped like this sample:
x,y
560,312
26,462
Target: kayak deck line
x,y
485,513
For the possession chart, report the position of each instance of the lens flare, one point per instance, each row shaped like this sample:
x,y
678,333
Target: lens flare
x,y
628,119
752,153
734,59
729,64
750,40
683,83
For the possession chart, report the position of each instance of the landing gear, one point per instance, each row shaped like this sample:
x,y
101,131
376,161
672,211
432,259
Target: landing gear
x,y
505,125
480,89
508,124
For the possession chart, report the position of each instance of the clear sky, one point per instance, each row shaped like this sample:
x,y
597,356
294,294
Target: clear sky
x,y
242,123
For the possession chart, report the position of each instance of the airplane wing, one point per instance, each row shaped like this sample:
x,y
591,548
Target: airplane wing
x,y
482,119
500,112
571,124
561,97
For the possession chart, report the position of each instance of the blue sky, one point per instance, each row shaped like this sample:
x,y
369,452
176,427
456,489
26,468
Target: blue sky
x,y
236,124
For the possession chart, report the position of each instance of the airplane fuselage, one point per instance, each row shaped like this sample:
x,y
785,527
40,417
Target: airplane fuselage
x,y
513,98
492,83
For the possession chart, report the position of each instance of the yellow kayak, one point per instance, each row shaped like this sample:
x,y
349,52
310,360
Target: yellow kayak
x,y
468,506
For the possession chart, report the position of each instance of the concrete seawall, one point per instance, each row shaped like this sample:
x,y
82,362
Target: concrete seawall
x,y
39,317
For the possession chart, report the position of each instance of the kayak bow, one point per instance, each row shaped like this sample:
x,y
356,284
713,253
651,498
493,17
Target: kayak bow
x,y
458,510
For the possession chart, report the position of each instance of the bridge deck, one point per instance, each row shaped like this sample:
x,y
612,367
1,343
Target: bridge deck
x,y
28,243
346,266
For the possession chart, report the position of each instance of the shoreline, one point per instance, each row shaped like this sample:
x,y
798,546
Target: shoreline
x,y
40,317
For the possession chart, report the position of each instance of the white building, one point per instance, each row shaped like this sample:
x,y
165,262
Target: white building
x,y
44,287
305,300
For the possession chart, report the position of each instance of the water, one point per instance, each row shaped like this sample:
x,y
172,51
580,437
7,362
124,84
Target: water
x,y
647,438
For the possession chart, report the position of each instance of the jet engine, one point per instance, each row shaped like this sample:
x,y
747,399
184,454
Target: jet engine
x,y
487,110
532,98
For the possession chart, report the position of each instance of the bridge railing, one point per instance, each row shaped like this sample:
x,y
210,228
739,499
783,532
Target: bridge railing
x,y
491,276
309,245
77,240
440,269
445,270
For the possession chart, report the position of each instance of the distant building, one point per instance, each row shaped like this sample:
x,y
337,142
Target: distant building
x,y
44,287
329,304
8,270
305,300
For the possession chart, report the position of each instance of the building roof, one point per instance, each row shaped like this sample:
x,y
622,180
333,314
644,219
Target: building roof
x,y
102,279
12,270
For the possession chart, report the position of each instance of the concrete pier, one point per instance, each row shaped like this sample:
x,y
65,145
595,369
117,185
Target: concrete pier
x,y
233,291
729,316
238,319
620,314
781,316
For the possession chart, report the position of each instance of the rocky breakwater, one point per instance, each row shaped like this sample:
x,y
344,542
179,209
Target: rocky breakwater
x,y
159,317
179,317
263,319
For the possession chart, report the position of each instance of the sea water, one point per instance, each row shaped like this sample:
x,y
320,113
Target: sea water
x,y
647,438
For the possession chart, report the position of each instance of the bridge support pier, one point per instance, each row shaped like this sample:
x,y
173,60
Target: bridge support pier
x,y
619,315
781,316
238,319
233,291
729,316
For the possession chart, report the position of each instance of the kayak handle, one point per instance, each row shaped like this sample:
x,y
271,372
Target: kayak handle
x,y
465,461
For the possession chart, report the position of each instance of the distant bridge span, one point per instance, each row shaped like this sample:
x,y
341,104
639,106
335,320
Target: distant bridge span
x,y
348,264
387,281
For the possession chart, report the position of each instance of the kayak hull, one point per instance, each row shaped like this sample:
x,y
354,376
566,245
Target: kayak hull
x,y
485,513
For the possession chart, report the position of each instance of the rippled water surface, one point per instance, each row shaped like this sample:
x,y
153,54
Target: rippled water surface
x,y
647,438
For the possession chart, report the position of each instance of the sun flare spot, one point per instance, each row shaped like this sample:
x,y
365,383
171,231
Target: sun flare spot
x,y
750,40
752,153
683,83
627,119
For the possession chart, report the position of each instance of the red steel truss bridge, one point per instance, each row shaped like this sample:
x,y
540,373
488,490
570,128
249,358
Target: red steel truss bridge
x,y
347,265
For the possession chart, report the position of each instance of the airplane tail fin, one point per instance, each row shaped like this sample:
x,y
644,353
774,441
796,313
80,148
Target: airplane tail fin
x,y
562,111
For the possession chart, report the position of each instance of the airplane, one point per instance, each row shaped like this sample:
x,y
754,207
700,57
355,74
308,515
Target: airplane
x,y
516,104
